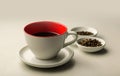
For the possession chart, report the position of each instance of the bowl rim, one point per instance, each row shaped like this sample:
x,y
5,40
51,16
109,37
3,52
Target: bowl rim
x,y
100,39
87,27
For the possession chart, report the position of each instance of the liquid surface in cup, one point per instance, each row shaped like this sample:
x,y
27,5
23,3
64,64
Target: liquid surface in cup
x,y
45,34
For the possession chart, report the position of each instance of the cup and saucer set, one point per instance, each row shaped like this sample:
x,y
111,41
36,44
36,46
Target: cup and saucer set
x,y
46,44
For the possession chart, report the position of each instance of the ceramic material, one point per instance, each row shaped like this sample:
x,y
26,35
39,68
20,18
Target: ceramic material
x,y
85,28
29,58
47,47
90,49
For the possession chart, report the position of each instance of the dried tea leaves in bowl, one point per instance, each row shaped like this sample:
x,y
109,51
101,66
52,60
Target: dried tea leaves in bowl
x,y
89,42
84,33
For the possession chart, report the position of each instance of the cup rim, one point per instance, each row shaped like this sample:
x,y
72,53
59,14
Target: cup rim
x,y
45,22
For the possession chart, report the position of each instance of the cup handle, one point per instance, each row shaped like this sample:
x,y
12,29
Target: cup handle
x,y
72,41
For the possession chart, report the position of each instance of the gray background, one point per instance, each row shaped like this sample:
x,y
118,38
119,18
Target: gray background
x,y
104,15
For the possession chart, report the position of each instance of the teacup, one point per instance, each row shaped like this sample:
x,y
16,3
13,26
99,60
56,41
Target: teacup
x,y
47,38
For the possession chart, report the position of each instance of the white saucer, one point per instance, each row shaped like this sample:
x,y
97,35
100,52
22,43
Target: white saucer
x,y
28,58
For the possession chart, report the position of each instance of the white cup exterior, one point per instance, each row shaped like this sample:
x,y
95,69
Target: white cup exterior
x,y
47,47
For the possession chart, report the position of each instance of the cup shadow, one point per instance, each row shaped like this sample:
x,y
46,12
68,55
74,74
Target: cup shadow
x,y
69,65
100,52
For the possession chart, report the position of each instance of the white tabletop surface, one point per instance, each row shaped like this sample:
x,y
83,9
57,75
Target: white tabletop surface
x,y
104,15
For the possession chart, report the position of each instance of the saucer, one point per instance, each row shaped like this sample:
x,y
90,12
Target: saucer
x,y
29,58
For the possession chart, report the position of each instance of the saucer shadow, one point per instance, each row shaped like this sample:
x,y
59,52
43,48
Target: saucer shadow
x,y
69,65
100,52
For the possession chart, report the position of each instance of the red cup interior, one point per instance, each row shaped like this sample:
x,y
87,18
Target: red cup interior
x,y
45,26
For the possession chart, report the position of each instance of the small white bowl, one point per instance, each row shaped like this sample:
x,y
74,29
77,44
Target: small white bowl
x,y
90,49
85,28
